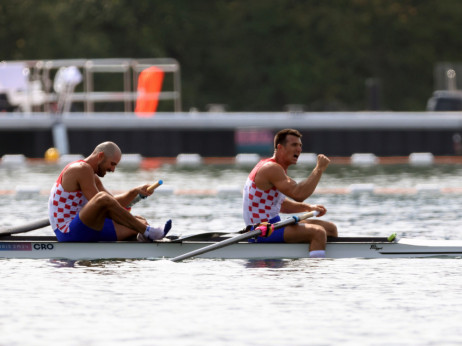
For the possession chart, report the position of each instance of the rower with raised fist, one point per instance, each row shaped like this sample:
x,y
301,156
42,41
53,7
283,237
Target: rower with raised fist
x,y
269,191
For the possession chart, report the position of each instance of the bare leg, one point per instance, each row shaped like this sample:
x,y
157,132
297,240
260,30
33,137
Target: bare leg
x,y
103,206
306,233
124,233
331,229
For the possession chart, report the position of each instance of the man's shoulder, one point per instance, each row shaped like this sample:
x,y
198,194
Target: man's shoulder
x,y
78,168
79,165
271,165
268,174
262,165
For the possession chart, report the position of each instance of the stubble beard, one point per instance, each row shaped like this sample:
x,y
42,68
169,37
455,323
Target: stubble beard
x,y
100,172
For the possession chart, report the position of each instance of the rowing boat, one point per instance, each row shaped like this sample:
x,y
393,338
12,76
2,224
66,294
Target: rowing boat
x,y
45,247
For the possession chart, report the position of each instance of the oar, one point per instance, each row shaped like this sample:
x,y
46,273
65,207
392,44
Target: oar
x,y
255,233
149,189
26,227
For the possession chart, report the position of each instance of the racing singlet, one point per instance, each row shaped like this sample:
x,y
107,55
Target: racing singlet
x,y
258,205
64,206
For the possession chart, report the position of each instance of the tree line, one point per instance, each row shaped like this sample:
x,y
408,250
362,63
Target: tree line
x,y
258,55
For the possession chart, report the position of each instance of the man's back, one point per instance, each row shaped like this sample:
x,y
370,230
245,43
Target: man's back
x,y
64,205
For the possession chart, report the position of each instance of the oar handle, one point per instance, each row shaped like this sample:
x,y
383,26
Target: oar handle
x,y
155,185
295,219
254,233
149,189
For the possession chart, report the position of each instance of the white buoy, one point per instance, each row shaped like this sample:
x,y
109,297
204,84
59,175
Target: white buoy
x,y
364,159
421,159
27,191
428,188
229,191
361,188
131,161
164,190
13,159
309,159
247,159
189,160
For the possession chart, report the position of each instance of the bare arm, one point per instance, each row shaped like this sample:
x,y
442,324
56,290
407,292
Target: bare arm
x,y
274,175
126,198
80,176
289,206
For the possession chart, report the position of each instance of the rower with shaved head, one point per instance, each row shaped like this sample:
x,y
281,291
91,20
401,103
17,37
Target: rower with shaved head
x,y
270,191
81,209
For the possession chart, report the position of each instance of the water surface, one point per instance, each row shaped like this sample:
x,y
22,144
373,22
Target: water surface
x,y
241,302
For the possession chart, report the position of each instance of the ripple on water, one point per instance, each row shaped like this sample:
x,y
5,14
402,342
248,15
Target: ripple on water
x,y
271,302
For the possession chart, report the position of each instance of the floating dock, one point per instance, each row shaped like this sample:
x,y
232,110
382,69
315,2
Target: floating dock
x,y
228,134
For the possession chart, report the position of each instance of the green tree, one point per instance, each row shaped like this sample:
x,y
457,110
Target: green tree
x,y
254,55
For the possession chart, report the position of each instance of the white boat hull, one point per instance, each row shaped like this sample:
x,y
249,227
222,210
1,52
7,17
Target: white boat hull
x,y
22,247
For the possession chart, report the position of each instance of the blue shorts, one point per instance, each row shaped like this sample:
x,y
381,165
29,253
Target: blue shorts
x,y
276,237
79,232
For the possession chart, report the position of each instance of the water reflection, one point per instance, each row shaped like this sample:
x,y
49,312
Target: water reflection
x,y
266,263
64,263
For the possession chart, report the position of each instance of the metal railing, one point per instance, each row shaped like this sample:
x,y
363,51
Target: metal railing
x,y
87,93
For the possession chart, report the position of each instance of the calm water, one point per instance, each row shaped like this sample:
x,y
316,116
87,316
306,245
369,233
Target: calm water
x,y
240,302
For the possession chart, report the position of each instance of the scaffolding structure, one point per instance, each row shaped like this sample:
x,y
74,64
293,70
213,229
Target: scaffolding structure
x,y
118,79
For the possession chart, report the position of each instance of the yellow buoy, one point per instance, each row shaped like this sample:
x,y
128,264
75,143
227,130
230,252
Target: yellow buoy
x,y
52,155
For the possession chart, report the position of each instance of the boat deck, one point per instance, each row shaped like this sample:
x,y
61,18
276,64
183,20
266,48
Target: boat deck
x,y
205,237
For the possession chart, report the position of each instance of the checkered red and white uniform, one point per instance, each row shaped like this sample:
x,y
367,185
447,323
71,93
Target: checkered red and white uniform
x,y
258,205
63,206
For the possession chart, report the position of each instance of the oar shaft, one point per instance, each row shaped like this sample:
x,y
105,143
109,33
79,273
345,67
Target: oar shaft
x,y
243,236
26,227
217,245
